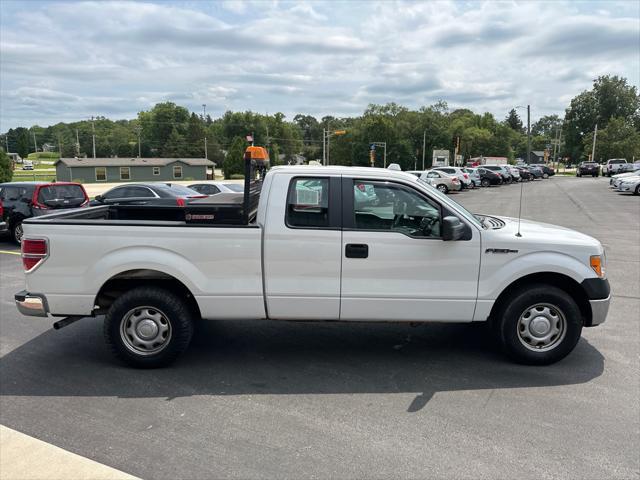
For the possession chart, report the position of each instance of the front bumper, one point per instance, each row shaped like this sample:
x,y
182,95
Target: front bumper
x,y
599,310
4,227
31,304
599,294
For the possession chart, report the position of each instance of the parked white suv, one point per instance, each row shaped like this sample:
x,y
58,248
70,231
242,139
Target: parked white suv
x,y
465,180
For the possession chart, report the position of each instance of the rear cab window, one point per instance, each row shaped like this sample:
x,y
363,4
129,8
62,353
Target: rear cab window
x,y
308,203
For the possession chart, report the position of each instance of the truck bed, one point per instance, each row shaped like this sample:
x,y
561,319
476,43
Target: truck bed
x,y
223,209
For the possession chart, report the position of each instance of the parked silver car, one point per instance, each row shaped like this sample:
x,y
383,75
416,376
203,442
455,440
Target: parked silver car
x,y
442,181
465,181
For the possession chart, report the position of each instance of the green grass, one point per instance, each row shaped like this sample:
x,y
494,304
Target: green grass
x,y
31,175
43,156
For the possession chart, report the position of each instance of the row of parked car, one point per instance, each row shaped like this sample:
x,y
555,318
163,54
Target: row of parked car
x,y
22,200
447,179
613,167
628,182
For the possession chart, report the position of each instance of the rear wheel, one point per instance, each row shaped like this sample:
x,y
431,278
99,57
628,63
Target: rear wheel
x,y
485,182
148,327
545,175
637,190
443,188
540,325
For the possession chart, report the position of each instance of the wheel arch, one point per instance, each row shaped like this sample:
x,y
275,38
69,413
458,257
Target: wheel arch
x,y
130,279
558,280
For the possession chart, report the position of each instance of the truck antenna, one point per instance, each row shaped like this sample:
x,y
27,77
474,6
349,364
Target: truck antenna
x,y
520,208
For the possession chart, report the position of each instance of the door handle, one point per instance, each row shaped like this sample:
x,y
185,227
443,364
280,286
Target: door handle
x,y
356,250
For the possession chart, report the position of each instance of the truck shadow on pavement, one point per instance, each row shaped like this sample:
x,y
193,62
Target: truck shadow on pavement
x,y
271,358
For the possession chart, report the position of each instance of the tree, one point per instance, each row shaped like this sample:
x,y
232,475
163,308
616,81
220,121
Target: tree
x,y
514,122
610,97
5,167
619,139
233,162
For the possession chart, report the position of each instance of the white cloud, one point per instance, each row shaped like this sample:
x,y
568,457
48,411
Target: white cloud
x,y
306,57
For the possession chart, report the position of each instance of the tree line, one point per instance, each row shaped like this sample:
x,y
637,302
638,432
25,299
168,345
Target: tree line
x,y
170,130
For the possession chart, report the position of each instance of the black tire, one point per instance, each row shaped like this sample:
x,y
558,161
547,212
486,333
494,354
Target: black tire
x,y
148,301
443,188
578,175
17,232
485,182
545,175
594,175
521,302
637,190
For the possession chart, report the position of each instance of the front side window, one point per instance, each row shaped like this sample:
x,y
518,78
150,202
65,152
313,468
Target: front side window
x,y
177,171
308,202
125,173
390,207
101,174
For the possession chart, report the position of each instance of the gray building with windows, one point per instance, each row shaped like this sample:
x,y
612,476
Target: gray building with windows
x,y
97,170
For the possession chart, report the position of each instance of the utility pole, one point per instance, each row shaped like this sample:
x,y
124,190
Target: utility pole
x,y
6,139
593,148
77,144
206,154
139,129
93,130
324,140
204,111
424,146
528,133
383,145
60,145
555,146
35,144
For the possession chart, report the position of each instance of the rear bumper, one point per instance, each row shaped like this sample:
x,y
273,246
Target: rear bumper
x,y
31,304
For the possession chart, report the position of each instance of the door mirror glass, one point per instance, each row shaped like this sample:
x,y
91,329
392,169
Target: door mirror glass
x,y
452,228
99,198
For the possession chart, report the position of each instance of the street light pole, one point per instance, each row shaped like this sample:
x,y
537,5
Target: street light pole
x,y
204,111
424,146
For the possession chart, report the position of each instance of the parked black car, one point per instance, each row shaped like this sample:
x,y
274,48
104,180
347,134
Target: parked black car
x,y
146,194
22,200
588,168
502,172
526,175
488,177
546,170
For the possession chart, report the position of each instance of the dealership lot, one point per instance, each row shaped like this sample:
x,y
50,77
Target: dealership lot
x,y
271,400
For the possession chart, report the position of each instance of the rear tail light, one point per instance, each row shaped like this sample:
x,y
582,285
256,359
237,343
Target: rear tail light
x,y
180,202
34,200
34,252
1,210
466,175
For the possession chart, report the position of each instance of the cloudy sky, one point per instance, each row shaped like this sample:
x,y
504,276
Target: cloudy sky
x,y
63,61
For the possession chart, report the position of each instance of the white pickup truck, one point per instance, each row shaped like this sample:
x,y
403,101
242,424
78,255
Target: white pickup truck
x,y
325,243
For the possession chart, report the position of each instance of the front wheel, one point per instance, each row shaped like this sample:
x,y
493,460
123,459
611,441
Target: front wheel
x,y
485,182
539,325
17,232
443,188
545,175
148,327
637,190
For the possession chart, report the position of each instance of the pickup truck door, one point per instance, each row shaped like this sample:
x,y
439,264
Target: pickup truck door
x,y
302,247
395,265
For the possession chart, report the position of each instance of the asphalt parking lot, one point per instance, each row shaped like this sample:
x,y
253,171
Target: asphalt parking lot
x,y
304,400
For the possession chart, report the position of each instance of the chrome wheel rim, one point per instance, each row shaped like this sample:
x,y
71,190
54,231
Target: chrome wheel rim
x,y
542,327
18,232
442,188
145,330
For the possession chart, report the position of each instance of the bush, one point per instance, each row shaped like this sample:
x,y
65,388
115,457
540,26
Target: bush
x,y
237,176
233,162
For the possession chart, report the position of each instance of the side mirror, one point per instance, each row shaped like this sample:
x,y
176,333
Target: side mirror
x,y
452,228
99,198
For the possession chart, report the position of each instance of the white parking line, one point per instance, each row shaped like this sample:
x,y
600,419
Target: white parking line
x,y
22,456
